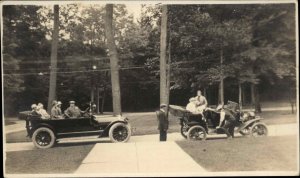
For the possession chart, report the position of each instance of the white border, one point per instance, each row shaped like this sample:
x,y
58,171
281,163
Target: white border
x,y
243,173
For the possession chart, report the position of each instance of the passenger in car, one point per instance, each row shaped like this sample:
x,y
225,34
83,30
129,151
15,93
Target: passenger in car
x,y
42,111
73,111
34,110
56,111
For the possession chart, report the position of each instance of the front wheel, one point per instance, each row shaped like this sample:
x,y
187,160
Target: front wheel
x,y
43,137
259,130
246,131
196,133
119,132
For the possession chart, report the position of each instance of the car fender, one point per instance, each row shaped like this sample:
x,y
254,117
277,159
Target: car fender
x,y
248,123
42,125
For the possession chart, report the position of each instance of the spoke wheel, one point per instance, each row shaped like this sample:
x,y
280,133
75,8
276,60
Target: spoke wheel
x,y
184,130
119,132
43,138
196,133
259,130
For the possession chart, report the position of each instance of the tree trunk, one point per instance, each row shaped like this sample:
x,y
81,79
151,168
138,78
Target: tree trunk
x,y
240,96
221,86
97,99
53,69
163,56
255,100
92,95
114,60
103,100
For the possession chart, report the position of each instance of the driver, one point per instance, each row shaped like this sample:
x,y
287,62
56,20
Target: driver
x,y
73,111
230,118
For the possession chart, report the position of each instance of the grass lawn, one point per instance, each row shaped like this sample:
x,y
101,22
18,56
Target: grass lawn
x,y
245,154
278,117
147,124
54,160
8,122
19,136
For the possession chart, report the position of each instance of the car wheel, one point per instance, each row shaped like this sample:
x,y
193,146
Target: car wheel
x,y
246,131
119,132
196,133
184,130
43,137
259,130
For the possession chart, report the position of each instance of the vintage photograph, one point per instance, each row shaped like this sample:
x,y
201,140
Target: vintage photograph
x,y
150,88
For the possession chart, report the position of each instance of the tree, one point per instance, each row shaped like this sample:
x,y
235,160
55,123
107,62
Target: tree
x,y
163,56
114,60
53,70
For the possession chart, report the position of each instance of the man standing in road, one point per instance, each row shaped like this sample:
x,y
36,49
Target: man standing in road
x,y
73,111
163,122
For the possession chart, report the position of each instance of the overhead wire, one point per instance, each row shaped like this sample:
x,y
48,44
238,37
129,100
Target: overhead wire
x,y
79,71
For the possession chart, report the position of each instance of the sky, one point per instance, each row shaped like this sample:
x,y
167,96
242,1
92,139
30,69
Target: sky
x,y
135,9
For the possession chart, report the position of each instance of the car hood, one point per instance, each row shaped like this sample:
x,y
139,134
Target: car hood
x,y
109,118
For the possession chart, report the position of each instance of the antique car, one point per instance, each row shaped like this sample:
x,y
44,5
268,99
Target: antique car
x,y
197,126
46,132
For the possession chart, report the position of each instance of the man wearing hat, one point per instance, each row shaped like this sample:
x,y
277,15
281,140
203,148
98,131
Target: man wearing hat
x,y
163,122
56,111
73,111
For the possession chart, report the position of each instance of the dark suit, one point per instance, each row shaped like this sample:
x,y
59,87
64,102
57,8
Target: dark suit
x,y
163,124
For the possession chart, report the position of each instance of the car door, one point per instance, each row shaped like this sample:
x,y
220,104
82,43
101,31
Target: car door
x,y
74,125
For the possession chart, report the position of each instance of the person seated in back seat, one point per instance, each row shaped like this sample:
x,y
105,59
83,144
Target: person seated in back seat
x,y
42,111
34,111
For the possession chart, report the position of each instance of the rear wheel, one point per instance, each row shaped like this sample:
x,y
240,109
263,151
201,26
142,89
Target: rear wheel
x,y
119,132
184,130
259,130
43,137
196,133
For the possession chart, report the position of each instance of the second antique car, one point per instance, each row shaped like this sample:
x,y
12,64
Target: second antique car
x,y
46,132
196,127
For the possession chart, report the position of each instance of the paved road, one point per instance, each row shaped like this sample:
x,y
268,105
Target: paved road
x,y
157,158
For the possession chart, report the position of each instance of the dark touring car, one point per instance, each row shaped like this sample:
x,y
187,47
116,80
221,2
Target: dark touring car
x,y
45,132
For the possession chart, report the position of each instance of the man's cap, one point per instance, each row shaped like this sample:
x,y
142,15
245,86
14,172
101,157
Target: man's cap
x,y
59,103
72,102
33,106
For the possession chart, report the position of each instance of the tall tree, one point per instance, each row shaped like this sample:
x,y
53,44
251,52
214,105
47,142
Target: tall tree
x,y
53,69
163,56
114,60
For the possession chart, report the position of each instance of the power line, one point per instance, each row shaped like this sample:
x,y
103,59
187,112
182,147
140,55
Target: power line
x,y
70,72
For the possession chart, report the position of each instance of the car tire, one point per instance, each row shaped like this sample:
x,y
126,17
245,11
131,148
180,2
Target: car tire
x,y
245,131
119,132
196,132
259,130
184,130
43,138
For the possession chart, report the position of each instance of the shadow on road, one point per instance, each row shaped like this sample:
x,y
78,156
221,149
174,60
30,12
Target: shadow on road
x,y
79,143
